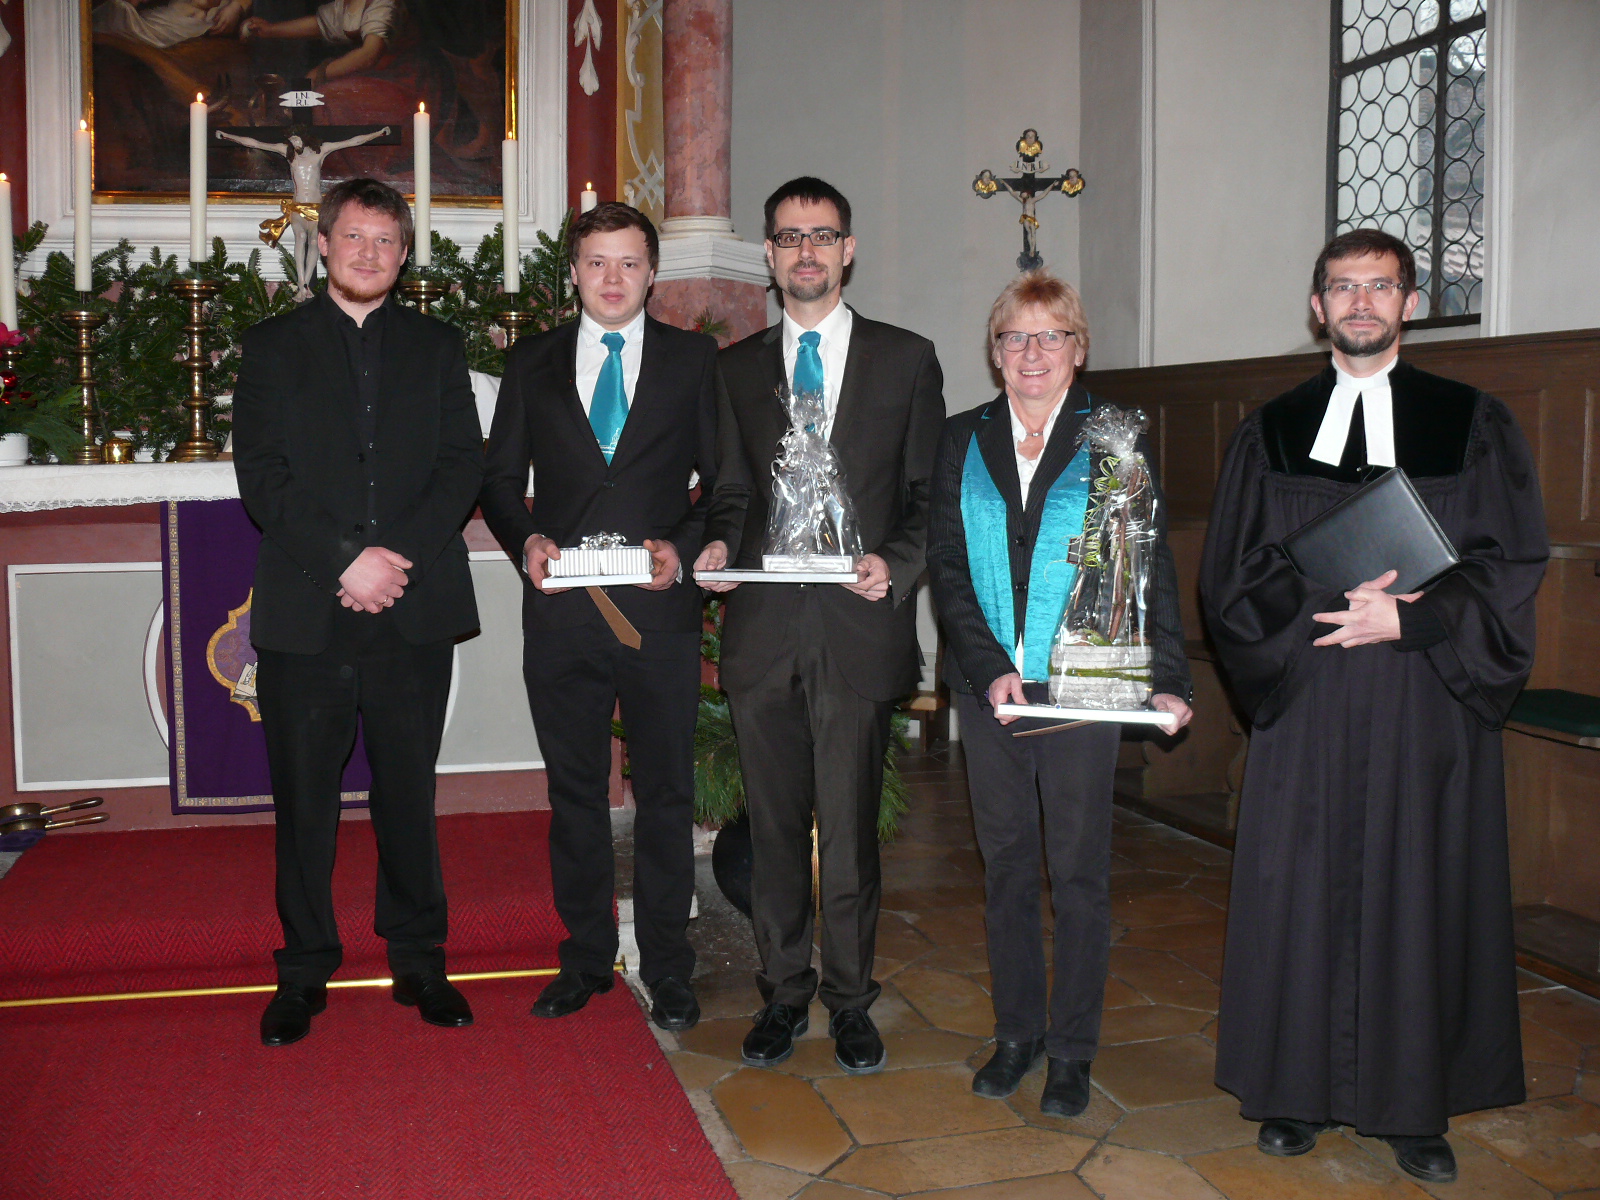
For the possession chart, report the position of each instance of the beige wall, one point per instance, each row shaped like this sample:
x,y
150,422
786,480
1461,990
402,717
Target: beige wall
x,y
1554,259
1241,103
899,104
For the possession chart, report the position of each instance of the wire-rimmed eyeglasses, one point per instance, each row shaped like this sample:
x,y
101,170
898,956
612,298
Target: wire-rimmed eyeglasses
x,y
1015,341
1377,289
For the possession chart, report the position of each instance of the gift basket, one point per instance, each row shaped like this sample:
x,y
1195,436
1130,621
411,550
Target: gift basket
x,y
1101,656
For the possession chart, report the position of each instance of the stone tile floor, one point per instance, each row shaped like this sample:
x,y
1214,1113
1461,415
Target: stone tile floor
x,y
1157,1126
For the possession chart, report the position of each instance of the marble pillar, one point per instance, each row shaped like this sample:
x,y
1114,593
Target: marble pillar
x,y
705,267
697,94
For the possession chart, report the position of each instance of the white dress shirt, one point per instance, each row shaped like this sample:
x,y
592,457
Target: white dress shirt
x,y
833,350
592,354
1377,415
1019,434
1026,467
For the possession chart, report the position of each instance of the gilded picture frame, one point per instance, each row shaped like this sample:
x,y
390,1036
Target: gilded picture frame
x,y
369,62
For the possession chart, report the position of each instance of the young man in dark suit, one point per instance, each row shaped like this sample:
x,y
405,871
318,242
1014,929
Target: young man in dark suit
x,y
615,412
813,670
359,455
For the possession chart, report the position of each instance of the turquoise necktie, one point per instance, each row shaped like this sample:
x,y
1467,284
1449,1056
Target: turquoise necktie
x,y
808,363
608,411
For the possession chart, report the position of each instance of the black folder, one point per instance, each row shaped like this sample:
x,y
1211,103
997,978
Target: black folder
x,y
1384,526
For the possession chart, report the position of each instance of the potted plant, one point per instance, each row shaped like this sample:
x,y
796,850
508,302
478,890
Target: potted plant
x,y
23,418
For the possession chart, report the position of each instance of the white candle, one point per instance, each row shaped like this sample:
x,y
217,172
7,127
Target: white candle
x,y
8,277
197,180
589,198
422,157
508,197
82,206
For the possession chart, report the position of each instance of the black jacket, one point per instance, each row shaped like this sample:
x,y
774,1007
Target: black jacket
x,y
642,493
976,657
891,405
305,479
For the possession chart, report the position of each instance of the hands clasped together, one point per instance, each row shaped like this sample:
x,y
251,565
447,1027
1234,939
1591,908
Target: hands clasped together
x,y
375,580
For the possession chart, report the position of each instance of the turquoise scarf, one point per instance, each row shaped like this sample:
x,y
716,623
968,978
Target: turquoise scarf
x,y
1050,577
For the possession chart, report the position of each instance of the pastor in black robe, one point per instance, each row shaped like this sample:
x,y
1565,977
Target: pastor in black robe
x,y
1370,974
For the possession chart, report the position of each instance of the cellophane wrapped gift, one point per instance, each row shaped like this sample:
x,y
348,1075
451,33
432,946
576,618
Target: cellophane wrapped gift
x,y
812,523
1101,656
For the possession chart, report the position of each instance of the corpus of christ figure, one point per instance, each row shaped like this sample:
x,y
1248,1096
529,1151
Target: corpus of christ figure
x,y
304,151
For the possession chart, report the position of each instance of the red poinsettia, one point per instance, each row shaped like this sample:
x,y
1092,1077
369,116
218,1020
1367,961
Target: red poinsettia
x,y
10,337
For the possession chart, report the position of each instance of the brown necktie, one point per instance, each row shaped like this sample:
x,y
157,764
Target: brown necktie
x,y
620,625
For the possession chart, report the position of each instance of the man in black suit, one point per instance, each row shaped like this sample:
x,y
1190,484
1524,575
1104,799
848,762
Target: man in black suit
x,y
615,412
358,453
813,670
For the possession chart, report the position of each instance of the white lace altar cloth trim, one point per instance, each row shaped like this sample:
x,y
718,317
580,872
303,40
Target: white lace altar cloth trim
x,y
36,488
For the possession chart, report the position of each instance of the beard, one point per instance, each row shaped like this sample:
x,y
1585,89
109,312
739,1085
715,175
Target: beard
x,y
351,289
1373,343
807,292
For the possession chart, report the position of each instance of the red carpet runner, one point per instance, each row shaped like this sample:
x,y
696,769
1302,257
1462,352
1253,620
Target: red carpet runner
x,y
175,1099
147,910
170,1099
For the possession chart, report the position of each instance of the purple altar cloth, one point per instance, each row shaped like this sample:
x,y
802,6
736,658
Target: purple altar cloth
x,y
217,754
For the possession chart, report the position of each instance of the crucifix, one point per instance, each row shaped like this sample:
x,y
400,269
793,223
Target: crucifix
x,y
304,146
1031,181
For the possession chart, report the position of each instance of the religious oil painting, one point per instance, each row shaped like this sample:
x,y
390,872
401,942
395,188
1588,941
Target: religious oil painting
x,y
331,70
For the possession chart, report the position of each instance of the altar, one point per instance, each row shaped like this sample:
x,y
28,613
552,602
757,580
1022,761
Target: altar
x,y
85,659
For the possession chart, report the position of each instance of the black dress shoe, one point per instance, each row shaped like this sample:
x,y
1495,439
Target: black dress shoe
x,y
1282,1137
434,997
856,1044
1428,1158
1066,1088
673,1005
1002,1074
289,1012
568,992
772,1039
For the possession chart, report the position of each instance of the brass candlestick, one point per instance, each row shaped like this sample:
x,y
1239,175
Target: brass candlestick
x,y
512,322
85,322
197,447
424,293
10,354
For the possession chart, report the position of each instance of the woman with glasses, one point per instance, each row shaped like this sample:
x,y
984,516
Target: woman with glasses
x,y
1010,490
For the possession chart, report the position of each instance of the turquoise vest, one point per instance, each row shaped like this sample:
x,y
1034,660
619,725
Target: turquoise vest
x,y
1050,576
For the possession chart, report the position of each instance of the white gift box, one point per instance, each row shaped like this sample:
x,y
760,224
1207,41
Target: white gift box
x,y
578,567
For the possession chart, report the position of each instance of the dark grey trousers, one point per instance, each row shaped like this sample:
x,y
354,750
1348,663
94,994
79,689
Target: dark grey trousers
x,y
809,745
1068,777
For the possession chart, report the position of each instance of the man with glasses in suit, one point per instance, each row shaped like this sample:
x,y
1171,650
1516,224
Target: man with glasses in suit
x,y
812,671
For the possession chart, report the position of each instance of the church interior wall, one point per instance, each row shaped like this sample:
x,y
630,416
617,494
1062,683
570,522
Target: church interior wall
x,y
1241,117
1110,65
1554,258
900,104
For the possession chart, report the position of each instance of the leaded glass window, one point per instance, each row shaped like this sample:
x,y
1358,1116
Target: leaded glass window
x,y
1405,140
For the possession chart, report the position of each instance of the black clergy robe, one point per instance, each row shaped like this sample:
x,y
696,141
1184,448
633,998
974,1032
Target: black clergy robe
x,y
1369,978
